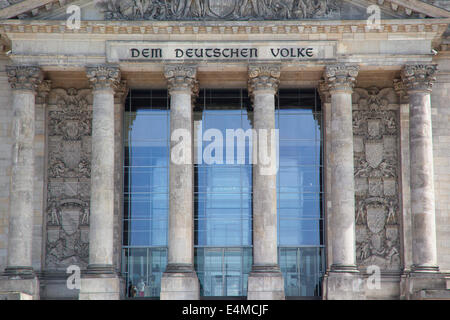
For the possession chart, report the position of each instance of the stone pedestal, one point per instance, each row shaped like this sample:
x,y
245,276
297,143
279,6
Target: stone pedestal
x,y
101,281
19,275
265,280
343,286
180,285
16,288
100,288
425,286
179,281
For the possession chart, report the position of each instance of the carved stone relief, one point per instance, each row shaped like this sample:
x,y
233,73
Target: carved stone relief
x,y
375,130
218,9
68,188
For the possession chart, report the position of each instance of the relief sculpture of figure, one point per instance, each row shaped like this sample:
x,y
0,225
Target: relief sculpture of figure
x,y
255,11
194,8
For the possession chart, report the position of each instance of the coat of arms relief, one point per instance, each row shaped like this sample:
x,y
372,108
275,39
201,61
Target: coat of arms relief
x,y
375,129
68,177
217,9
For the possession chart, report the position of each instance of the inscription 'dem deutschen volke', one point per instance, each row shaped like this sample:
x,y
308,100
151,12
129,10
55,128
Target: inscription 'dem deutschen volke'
x,y
223,53
152,51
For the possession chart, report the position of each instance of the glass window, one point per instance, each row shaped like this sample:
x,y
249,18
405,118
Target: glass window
x,y
146,191
299,191
222,192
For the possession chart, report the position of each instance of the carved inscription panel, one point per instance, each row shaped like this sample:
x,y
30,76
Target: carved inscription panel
x,y
375,130
68,175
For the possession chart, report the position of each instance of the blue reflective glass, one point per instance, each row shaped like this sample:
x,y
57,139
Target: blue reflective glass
x,y
146,194
223,205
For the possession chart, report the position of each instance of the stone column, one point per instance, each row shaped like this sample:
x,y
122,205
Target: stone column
x,y
265,281
418,81
24,82
340,282
179,281
19,274
101,281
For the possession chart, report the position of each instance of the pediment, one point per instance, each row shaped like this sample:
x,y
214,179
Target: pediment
x,y
227,10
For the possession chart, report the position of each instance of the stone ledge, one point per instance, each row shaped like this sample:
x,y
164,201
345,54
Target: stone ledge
x,y
432,294
265,286
15,296
28,287
180,286
100,289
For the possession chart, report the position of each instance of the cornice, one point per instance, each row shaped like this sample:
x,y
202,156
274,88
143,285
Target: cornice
x,y
413,26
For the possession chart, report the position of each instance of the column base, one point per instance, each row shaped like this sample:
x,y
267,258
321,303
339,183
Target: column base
x,y
180,282
424,268
344,268
420,285
100,282
343,285
265,283
17,287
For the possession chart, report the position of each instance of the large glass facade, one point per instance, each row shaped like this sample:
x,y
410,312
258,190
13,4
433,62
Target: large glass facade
x,y
223,192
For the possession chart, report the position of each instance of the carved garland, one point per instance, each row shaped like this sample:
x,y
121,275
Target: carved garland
x,y
375,129
69,134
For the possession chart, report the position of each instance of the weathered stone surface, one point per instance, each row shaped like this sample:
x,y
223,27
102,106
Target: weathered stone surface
x,y
68,178
263,85
107,288
418,80
377,207
179,281
24,81
104,79
218,10
339,80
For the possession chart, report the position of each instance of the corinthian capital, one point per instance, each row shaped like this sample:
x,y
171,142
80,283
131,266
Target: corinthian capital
x,y
103,76
341,76
263,77
419,76
181,77
324,92
24,77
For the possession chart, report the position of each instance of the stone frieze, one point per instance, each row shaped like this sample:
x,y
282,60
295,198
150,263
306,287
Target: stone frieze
x,y
218,9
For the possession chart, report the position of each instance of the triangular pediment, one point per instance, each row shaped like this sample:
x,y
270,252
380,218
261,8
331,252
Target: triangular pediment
x,y
228,10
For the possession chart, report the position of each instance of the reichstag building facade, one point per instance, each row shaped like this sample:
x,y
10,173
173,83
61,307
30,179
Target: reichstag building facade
x,y
129,131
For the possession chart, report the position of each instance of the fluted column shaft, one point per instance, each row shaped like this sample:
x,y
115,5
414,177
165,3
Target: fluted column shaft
x,y
182,86
179,281
103,79
265,280
418,80
263,85
24,81
340,81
